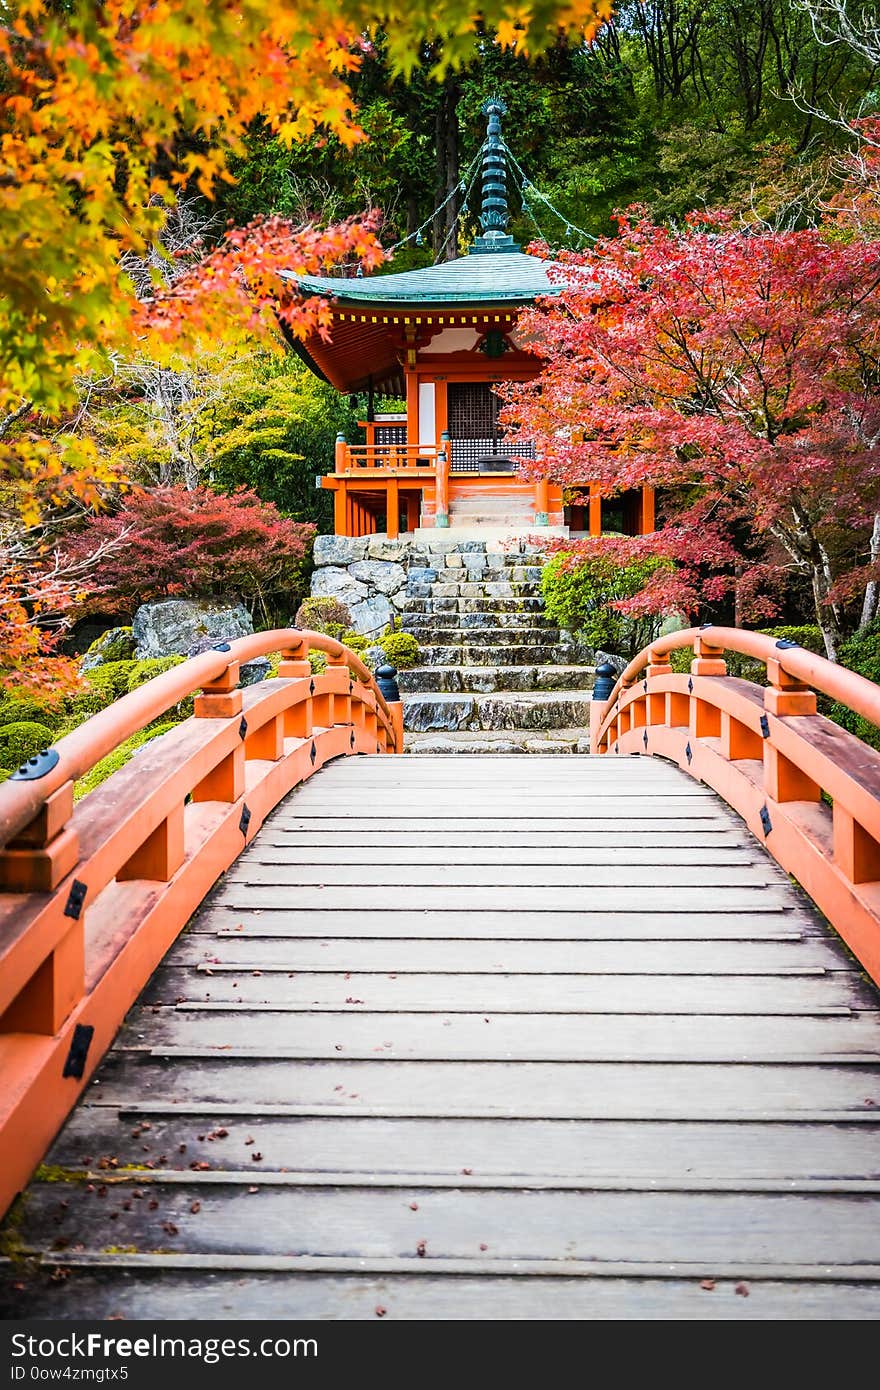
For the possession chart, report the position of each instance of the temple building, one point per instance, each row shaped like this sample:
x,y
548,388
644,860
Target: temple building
x,y
443,337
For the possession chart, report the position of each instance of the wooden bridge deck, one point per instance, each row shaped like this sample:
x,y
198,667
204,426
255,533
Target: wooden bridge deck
x,y
480,1038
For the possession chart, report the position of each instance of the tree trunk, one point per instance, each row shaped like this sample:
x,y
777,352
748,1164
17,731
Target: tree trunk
x,y
872,589
446,144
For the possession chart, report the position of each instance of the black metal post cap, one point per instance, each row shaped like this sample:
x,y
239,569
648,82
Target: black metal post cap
x,y
386,679
606,678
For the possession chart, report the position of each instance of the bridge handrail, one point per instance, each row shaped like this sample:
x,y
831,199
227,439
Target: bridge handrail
x,y
807,788
858,693
92,740
92,894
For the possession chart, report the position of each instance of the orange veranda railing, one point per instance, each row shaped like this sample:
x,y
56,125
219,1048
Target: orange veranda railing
x,y
808,789
92,895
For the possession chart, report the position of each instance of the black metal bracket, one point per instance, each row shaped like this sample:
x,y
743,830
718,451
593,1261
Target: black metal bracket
x,y
311,687
689,753
221,647
766,821
245,820
242,728
645,738
351,739
690,685
75,899
785,644
37,766
313,753
765,726
80,1043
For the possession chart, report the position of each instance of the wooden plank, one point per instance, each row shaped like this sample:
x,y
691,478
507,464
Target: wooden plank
x,y
462,993
267,851
376,1223
604,898
167,1293
395,919
504,877
792,955
674,1152
564,1037
573,1090
380,821
370,841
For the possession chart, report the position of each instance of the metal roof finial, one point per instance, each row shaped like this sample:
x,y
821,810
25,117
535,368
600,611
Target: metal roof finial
x,y
495,214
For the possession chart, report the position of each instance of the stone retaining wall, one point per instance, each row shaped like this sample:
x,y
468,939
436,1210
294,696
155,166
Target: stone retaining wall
x,y
374,576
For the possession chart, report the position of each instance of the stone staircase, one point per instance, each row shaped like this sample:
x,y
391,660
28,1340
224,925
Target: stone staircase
x,y
495,675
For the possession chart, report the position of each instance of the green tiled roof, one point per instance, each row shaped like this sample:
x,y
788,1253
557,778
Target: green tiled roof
x,y
510,277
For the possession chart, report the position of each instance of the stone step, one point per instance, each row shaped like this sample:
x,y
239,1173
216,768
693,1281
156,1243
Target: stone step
x,y
475,589
482,627
574,740
498,654
484,680
530,710
425,606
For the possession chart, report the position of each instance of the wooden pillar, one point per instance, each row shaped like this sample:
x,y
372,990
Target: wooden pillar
x,y
441,517
412,408
340,509
542,502
413,500
392,509
648,523
595,511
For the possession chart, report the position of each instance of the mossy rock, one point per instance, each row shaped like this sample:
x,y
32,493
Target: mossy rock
x,y
120,756
21,741
116,644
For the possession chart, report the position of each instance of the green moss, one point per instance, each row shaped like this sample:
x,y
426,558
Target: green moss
x,y
21,741
53,1172
12,1246
104,684
119,757
142,671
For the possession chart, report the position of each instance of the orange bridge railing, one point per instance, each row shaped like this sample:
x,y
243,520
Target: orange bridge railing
x,y
93,895
808,789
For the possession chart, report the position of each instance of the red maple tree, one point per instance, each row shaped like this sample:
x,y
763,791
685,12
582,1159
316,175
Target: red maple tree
x,y
193,542
737,370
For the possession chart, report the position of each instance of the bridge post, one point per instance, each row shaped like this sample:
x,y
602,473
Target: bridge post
x,y
221,699
705,719
44,852
294,665
786,695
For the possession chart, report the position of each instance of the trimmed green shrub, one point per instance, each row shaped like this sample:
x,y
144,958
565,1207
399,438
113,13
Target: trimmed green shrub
x,y
401,649
18,708
318,662
21,741
860,653
150,666
321,614
355,641
578,591
119,757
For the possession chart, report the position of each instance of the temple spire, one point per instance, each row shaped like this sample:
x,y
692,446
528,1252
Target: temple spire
x,y
494,214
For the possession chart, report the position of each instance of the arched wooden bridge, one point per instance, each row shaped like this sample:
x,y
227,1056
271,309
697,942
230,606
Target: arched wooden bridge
x,y
465,1037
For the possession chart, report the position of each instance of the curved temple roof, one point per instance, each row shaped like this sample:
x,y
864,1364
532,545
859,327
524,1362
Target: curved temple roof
x,y
502,277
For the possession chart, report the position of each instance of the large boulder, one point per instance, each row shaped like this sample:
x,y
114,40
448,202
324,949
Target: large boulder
x,y
372,615
339,550
182,626
116,644
384,575
334,582
381,548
